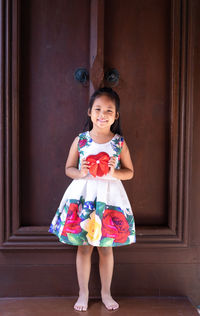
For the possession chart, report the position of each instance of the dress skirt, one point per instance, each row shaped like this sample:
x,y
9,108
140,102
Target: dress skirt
x,y
94,211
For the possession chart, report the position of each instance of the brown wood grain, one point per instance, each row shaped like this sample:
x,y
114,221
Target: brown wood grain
x,y
155,47
96,44
164,306
141,280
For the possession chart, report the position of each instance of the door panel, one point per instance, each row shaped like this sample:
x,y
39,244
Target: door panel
x,y
143,62
55,42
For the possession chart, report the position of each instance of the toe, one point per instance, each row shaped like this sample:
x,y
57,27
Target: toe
x,y
114,306
77,307
109,307
81,308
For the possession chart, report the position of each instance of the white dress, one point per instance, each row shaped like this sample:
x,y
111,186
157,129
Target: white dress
x,y
95,210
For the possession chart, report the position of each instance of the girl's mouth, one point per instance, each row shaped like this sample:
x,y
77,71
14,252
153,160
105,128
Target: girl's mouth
x,y
102,120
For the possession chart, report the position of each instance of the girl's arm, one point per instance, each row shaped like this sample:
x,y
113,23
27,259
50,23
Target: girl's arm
x,y
127,171
71,166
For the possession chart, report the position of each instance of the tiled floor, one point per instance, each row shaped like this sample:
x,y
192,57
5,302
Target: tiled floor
x,y
60,306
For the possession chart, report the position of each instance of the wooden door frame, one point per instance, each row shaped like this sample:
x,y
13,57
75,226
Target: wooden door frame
x,y
165,257
175,233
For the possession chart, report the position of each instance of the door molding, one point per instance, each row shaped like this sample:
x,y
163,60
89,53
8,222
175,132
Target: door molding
x,y
175,234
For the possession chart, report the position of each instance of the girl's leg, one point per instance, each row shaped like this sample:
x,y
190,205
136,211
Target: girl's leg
x,y
83,266
106,263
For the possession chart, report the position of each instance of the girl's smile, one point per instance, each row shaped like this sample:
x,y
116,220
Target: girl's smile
x,y
103,112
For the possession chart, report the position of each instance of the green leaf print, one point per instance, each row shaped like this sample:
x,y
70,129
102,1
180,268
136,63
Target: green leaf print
x,y
74,238
73,201
82,235
82,200
86,212
77,239
106,242
130,220
100,207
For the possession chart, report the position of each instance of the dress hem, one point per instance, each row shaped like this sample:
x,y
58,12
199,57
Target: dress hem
x,y
88,244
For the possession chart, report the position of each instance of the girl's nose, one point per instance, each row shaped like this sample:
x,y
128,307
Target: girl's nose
x,y
102,113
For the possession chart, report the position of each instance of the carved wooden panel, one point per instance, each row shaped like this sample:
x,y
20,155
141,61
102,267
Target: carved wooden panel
x,y
16,236
165,259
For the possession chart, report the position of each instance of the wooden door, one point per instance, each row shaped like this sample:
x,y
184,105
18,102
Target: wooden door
x,y
151,46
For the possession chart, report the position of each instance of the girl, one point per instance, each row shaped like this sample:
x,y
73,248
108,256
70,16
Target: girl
x,y
95,210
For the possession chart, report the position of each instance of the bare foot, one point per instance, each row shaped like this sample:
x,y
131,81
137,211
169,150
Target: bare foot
x,y
109,302
82,303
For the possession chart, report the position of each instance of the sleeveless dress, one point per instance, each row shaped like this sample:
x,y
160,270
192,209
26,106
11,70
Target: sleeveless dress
x,y
95,209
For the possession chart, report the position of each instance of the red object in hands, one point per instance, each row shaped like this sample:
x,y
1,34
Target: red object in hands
x,y
99,164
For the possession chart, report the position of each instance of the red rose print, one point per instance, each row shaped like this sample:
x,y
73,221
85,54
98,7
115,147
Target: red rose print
x,y
115,225
72,223
82,142
99,164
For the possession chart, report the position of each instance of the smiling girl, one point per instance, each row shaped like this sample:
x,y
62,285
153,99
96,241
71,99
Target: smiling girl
x,y
95,210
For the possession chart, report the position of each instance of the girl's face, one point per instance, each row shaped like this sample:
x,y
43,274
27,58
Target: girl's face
x,y
103,112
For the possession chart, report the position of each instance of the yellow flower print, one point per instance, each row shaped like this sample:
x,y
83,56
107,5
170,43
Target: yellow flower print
x,y
93,226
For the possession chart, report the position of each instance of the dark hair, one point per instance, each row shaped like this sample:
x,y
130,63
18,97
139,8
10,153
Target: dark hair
x,y
111,94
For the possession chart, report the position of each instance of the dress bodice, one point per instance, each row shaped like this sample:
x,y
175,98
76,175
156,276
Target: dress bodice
x,y
87,147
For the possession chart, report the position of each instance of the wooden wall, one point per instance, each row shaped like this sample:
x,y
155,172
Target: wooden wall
x,y
165,261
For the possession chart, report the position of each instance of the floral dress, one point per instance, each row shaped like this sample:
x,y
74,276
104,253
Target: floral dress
x,y
95,209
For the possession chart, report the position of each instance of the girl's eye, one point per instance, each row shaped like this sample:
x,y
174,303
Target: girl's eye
x,y
97,109
110,111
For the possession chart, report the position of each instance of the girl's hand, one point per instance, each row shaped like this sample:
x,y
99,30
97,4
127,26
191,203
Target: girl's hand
x,y
111,164
84,168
